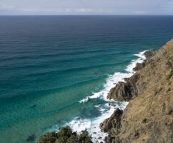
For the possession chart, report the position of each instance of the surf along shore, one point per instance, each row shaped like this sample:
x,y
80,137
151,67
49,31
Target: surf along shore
x,y
149,115
148,118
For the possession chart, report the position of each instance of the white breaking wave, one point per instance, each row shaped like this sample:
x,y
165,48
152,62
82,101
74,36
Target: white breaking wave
x,y
112,80
92,125
134,62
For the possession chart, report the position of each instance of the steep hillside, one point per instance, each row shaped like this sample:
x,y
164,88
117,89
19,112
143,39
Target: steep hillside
x,y
148,118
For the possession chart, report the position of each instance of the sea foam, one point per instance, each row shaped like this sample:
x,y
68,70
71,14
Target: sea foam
x,y
92,125
112,80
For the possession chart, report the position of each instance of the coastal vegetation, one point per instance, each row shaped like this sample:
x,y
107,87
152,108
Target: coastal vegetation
x,y
144,120
170,112
147,118
65,135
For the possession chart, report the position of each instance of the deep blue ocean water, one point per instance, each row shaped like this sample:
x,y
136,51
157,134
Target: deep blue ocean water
x,y
50,63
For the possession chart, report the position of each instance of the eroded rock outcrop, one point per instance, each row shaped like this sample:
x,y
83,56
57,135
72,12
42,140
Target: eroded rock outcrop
x,y
148,118
148,55
113,123
124,91
120,92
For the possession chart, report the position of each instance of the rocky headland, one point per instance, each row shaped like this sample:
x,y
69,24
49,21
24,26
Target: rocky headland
x,y
148,118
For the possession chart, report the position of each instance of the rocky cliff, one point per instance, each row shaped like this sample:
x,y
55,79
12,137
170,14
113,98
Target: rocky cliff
x,y
148,118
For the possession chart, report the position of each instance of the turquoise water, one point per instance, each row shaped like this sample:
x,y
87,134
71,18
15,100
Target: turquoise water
x,y
50,63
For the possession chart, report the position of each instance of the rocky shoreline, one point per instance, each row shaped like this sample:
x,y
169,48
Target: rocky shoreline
x,y
125,91
148,118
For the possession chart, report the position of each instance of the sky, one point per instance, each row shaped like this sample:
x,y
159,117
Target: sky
x,y
86,7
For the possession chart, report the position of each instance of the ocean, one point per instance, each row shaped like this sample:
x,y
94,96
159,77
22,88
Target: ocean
x,y
58,70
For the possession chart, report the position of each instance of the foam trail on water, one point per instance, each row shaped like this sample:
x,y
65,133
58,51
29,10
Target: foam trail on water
x,y
134,62
112,80
92,125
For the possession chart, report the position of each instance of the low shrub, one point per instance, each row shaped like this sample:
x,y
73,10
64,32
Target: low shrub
x,y
170,57
168,90
170,112
144,120
65,135
49,137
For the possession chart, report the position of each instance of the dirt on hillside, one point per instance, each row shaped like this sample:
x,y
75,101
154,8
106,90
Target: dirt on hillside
x,y
148,118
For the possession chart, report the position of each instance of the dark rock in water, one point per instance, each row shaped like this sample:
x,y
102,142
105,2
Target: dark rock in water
x,y
126,79
113,122
120,92
78,118
139,66
101,124
149,54
111,104
124,91
109,139
31,138
99,138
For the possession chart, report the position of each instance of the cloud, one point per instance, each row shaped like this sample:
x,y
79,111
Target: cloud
x,y
28,10
123,7
168,4
7,7
140,12
86,10
78,10
83,10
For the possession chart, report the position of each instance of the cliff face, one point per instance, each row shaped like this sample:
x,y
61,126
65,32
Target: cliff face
x,y
148,118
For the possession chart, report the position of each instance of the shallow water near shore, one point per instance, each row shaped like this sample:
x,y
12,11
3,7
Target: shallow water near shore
x,y
57,70
92,125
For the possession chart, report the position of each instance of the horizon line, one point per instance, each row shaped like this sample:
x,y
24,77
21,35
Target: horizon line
x,y
87,15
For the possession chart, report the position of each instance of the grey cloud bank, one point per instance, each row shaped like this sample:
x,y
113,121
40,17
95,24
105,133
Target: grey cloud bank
x,y
86,7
